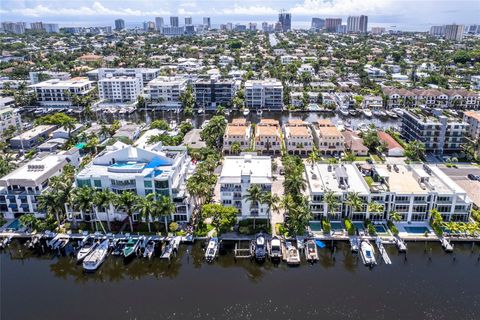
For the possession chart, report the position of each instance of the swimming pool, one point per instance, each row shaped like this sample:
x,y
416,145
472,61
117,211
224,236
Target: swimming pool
x,y
315,226
359,225
417,230
80,145
380,228
14,225
336,226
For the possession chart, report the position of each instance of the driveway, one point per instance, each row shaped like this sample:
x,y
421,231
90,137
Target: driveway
x,y
459,175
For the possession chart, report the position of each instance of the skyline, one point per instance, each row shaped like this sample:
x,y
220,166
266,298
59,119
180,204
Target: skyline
x,y
407,15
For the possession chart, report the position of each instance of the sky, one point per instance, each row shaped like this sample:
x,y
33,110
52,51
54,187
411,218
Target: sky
x,y
409,15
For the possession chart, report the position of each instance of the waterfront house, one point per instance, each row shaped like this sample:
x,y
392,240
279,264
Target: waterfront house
x,y
268,137
32,137
238,131
298,137
394,149
354,143
473,120
328,138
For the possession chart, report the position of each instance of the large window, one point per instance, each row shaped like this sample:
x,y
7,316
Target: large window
x,y
83,183
161,184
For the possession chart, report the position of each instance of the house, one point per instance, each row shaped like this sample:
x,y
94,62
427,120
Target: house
x,y
473,120
130,131
32,137
298,137
328,138
268,137
354,143
236,132
394,149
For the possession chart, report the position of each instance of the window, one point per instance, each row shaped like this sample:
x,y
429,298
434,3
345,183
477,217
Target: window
x,y
83,183
161,184
147,184
97,183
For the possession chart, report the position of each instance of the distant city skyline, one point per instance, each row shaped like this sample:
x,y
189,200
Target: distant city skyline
x,y
405,15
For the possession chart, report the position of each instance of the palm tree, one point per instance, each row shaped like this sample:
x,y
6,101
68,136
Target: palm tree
x,y
354,202
164,207
312,158
415,150
331,200
127,201
146,207
273,201
82,200
255,197
395,216
104,199
47,202
294,183
235,148
375,208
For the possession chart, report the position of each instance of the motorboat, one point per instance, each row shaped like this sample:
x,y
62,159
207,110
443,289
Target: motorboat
x,y
354,244
367,253
246,112
118,246
212,250
377,113
398,111
142,243
353,113
446,245
97,256
275,249
340,125
400,244
311,252
391,114
343,111
130,248
259,112
292,255
149,249
33,242
367,113
200,110
258,247
167,249
4,242
88,244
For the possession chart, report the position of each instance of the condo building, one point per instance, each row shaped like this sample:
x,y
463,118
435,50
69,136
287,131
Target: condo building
x,y
264,94
164,92
158,169
237,132
145,75
298,137
214,92
473,120
9,117
268,139
120,89
56,93
238,174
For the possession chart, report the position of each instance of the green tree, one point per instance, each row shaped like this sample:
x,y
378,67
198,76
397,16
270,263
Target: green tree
x,y
127,201
164,207
82,200
331,201
415,150
223,217
146,208
104,199
213,133
354,202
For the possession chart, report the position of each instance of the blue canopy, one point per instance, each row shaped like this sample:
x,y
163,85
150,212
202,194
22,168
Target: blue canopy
x,y
320,244
158,162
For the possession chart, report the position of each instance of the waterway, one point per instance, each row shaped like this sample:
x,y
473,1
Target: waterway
x,y
429,284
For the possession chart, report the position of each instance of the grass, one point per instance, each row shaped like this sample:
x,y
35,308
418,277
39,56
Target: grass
x,y
376,158
362,158
369,180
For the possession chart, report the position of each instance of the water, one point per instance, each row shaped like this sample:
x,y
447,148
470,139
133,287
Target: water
x,y
46,287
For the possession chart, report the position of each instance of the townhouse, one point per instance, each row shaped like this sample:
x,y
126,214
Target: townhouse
x,y
31,138
237,132
328,139
298,137
268,139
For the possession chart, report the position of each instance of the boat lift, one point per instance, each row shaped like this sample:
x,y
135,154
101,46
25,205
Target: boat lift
x,y
242,253
382,251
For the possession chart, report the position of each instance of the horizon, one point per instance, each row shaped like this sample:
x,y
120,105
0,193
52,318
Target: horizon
x,y
405,15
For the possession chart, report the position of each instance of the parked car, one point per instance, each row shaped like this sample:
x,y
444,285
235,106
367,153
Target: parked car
x,y
474,177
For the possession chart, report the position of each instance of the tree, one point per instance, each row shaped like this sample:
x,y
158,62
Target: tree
x,y
127,201
354,202
395,216
375,208
273,201
188,100
164,207
371,140
415,150
349,156
146,207
312,158
82,200
160,124
213,133
223,217
331,201
235,148
104,199
255,197
436,221
300,215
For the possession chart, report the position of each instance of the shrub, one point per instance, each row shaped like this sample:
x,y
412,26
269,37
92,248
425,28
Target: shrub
x,y
173,226
349,226
327,227
371,229
392,228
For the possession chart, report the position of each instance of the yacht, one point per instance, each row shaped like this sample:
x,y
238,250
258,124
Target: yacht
x,y
401,246
88,244
367,113
343,111
391,114
167,249
292,255
149,249
398,111
354,244
212,250
130,248
96,258
367,253
258,247
311,251
246,112
275,249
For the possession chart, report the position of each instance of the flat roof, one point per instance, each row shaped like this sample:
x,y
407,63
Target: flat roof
x,y
324,177
401,182
259,168
27,135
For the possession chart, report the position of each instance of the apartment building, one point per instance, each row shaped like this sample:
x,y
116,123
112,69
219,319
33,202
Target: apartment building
x,y
268,137
119,89
214,92
298,137
439,131
20,189
55,93
410,190
39,76
454,32
164,92
145,75
264,94
158,169
473,120
238,131
31,138
9,117
328,139
238,174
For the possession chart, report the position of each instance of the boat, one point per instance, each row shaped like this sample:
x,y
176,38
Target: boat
x,y
88,244
353,113
122,111
367,253
96,258
173,124
398,111
311,252
61,243
131,110
446,245
212,250
149,249
391,114
258,247
343,111
354,244
142,243
33,242
118,246
200,110
401,246
246,112
204,124
4,242
130,248
292,255
320,244
340,125
167,249
259,112
376,113
367,113
275,250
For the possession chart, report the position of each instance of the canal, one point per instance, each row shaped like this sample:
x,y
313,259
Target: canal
x,y
432,285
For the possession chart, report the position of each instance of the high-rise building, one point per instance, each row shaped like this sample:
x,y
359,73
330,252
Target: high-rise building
x,y
317,23
437,30
285,19
188,21
174,21
454,32
252,26
51,27
37,26
159,23
331,24
357,24
148,26
206,22
119,24
14,27
378,30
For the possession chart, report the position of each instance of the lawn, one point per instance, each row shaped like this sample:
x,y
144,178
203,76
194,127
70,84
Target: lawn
x,y
376,158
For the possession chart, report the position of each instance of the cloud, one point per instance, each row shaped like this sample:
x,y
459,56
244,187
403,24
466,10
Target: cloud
x,y
246,10
342,7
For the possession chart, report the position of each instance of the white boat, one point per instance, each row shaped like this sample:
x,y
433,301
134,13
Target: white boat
x,y
149,249
446,245
259,112
401,246
292,255
4,242
343,111
167,249
367,252
200,110
96,258
367,113
391,114
275,249
212,250
398,111
88,244
354,244
258,247
311,252
376,113
340,125
246,112
130,110
52,242
173,124
122,111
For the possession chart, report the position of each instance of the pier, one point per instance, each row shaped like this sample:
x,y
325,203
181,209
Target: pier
x,y
382,251
242,253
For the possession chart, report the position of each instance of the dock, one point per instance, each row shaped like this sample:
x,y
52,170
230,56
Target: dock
x,y
242,253
382,251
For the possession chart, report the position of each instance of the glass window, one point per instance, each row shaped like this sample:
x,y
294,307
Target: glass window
x,y
83,183
147,184
97,183
161,184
